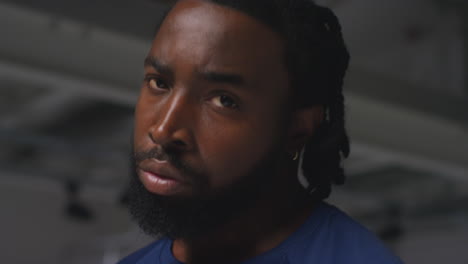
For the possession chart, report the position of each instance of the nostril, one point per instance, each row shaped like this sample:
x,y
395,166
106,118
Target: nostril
x,y
151,137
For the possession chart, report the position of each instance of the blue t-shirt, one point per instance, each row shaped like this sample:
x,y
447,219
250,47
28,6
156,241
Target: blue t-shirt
x,y
328,236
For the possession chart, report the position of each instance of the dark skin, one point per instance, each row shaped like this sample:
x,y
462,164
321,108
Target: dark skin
x,y
217,90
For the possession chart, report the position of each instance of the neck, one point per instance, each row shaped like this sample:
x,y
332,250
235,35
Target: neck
x,y
274,217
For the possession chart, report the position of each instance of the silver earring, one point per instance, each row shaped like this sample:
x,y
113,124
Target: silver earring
x,y
296,155
300,173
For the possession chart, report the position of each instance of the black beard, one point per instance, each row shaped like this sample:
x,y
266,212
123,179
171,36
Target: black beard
x,y
194,216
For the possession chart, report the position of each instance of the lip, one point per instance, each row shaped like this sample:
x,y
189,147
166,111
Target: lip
x,y
161,178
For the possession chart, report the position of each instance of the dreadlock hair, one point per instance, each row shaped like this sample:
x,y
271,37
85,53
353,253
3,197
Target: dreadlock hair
x,y
317,59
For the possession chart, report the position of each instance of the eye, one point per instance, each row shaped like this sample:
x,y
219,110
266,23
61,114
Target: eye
x,y
156,83
225,101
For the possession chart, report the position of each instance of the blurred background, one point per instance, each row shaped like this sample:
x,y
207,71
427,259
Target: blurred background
x,y
69,77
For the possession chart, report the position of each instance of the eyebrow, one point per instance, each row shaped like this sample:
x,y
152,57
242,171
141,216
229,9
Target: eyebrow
x,y
157,65
211,76
223,78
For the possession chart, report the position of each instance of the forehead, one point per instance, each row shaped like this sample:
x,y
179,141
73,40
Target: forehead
x,y
207,35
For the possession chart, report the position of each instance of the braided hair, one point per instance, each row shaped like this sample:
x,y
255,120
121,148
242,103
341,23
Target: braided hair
x,y
317,60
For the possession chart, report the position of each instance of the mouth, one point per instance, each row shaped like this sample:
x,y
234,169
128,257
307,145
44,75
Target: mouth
x,y
161,178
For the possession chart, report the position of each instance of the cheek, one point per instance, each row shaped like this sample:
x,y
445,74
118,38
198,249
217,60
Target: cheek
x,y
232,150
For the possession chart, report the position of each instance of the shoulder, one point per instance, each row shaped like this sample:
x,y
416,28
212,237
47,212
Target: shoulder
x,y
357,241
140,254
337,238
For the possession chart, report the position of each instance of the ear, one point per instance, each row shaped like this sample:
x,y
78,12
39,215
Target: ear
x,y
304,123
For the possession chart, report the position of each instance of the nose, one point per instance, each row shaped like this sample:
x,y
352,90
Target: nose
x,y
172,127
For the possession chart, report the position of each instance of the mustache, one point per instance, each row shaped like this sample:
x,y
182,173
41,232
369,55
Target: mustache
x,y
171,157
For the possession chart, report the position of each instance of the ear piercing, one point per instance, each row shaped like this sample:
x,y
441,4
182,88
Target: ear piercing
x,y
300,172
296,155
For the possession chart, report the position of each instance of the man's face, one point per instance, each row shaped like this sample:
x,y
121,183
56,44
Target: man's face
x,y
211,111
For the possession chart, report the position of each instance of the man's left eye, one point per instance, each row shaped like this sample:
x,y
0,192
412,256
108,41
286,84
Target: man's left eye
x,y
225,101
